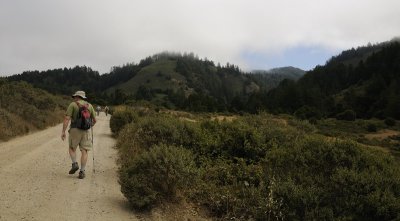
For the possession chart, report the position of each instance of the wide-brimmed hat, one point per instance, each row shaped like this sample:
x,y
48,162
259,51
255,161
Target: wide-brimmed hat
x,y
80,94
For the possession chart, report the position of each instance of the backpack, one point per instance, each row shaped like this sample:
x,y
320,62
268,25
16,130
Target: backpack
x,y
84,121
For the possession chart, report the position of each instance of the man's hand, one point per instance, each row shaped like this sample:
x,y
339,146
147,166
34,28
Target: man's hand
x,y
65,125
63,135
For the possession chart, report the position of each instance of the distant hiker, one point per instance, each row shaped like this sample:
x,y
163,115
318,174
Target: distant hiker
x,y
82,116
98,109
106,109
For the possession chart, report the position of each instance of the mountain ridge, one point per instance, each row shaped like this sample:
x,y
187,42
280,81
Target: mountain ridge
x,y
364,80
163,78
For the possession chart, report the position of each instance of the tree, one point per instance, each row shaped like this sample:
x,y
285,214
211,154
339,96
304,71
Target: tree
x,y
144,93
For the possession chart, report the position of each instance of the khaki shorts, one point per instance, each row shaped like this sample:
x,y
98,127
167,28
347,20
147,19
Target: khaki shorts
x,y
83,138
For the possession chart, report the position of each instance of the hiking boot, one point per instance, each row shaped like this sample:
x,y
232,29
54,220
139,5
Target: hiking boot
x,y
81,174
74,168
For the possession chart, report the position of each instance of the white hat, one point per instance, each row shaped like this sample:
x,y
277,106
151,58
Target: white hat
x,y
80,94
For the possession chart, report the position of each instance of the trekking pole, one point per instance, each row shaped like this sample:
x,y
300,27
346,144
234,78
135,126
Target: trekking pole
x,y
94,171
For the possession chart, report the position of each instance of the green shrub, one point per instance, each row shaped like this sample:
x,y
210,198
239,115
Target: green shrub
x,y
313,120
164,129
258,168
390,122
348,115
371,127
153,130
300,127
235,190
247,137
232,139
120,118
307,112
111,110
322,180
160,174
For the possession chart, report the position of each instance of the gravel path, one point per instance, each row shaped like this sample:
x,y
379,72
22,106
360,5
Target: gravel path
x,y
35,184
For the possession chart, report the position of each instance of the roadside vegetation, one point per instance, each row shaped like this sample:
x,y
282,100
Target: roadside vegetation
x,y
253,167
24,109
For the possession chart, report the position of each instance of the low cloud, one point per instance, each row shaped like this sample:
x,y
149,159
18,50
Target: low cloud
x,y
45,34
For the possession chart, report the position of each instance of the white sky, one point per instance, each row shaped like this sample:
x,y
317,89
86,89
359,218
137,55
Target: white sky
x,y
254,34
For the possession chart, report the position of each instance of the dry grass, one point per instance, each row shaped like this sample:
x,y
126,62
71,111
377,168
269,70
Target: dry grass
x,y
12,125
181,211
224,118
188,119
176,113
382,134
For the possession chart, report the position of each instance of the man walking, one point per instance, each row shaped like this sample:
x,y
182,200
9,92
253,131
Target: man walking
x,y
77,135
98,109
106,109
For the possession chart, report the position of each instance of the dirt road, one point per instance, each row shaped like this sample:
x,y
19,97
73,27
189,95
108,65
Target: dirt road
x,y
35,184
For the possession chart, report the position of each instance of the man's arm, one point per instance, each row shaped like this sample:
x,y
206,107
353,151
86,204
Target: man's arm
x,y
92,115
93,121
65,125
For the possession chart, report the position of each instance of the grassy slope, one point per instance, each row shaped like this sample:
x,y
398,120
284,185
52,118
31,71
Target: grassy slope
x,y
24,108
358,131
160,75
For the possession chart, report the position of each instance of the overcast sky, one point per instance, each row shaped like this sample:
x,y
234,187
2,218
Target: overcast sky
x,y
253,34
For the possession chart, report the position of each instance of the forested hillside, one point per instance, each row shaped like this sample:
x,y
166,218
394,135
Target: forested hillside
x,y
172,80
369,88
62,80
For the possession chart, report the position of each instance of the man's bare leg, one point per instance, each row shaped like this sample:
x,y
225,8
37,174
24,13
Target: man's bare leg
x,y
72,154
75,166
84,157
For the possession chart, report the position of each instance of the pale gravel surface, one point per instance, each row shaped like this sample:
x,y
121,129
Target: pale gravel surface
x,y
35,184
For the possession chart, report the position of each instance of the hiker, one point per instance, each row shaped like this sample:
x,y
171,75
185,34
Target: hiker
x,y
98,109
82,117
106,109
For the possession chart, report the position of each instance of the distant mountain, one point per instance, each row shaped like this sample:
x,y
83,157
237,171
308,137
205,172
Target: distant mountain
x,y
269,79
290,72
